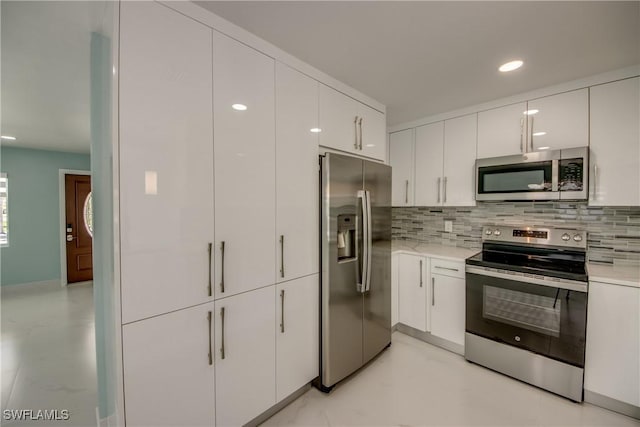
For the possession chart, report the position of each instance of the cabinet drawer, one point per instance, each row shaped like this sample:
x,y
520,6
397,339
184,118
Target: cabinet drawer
x,y
447,267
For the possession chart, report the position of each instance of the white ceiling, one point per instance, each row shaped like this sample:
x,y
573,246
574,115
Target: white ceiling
x,y
45,73
418,58
421,58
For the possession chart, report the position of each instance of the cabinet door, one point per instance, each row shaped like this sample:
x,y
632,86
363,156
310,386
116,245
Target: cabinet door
x,y
615,144
244,167
297,334
561,121
374,133
428,161
459,161
412,291
401,149
448,308
166,160
296,174
338,122
394,290
501,131
168,379
612,357
245,369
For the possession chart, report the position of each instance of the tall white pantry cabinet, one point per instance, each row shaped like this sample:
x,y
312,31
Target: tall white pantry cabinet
x,y
219,271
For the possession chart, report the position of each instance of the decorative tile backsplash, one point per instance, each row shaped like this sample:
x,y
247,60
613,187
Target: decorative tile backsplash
x,y
613,232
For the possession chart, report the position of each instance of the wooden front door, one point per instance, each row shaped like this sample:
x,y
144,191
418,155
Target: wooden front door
x,y
79,228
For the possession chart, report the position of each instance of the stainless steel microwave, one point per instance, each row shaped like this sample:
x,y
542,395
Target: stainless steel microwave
x,y
542,175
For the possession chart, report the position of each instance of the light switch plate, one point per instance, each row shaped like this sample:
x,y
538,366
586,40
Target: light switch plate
x,y
448,226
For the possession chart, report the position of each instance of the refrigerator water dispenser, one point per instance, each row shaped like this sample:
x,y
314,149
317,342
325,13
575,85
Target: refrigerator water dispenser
x,y
346,239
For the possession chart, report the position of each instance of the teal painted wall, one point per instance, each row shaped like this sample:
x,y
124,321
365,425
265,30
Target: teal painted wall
x,y
33,253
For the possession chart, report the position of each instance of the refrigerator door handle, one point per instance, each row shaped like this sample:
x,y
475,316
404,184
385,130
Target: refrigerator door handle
x,y
362,283
369,241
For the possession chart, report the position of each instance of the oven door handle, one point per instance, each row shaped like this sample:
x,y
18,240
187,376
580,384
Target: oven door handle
x,y
572,285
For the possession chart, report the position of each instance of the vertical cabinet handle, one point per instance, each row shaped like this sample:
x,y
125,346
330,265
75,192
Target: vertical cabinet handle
x,y
209,285
595,182
438,184
222,325
444,191
421,273
282,256
406,192
282,311
210,352
360,126
433,291
522,134
222,267
355,126
531,133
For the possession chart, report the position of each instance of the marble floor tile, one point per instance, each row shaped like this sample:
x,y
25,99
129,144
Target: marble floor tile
x,y
48,352
416,384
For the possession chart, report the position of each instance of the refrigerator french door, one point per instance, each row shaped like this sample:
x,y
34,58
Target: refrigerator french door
x,y
355,266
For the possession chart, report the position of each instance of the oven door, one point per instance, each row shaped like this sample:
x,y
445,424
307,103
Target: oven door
x,y
532,176
546,317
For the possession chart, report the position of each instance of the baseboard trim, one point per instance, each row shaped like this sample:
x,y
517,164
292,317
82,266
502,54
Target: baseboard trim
x,y
611,404
50,282
431,339
278,406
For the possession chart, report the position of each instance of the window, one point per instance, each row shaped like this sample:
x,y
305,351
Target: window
x,y
4,209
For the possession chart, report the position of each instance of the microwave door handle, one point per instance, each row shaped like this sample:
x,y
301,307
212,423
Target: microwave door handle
x,y
554,175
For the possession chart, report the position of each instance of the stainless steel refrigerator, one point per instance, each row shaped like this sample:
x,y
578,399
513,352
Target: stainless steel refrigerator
x,y
355,200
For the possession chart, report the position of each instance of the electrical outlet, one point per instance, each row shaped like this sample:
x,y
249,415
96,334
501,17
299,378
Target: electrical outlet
x,y
448,226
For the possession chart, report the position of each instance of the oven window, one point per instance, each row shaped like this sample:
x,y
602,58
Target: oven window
x,y
533,312
530,177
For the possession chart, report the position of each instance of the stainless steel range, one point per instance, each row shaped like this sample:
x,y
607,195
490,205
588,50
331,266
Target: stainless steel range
x,y
526,306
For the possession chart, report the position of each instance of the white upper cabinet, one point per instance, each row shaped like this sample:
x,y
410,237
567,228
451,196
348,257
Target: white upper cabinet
x,y
373,130
338,120
459,161
351,126
168,376
166,160
245,352
401,160
296,174
558,121
245,256
445,155
428,164
615,144
412,291
297,332
501,131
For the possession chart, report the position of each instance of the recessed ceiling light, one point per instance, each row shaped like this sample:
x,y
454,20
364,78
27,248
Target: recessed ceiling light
x,y
544,148
539,133
10,138
370,145
510,66
239,107
315,130
530,112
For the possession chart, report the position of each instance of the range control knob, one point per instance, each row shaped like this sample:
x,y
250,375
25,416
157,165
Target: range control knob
x,y
488,232
577,238
566,237
497,232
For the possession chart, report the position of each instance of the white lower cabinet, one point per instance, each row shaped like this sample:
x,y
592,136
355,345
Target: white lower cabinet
x,y
168,377
297,334
412,291
447,305
394,289
612,357
245,356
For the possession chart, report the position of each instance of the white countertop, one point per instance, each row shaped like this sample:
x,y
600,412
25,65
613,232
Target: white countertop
x,y
438,251
617,275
